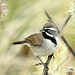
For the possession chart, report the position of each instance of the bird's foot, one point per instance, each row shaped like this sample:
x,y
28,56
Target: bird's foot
x,y
38,64
52,55
44,64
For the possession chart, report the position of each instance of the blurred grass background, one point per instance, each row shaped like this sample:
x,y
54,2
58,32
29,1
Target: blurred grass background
x,y
26,17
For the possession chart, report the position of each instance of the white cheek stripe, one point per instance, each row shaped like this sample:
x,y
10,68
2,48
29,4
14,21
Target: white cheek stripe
x,y
51,29
49,34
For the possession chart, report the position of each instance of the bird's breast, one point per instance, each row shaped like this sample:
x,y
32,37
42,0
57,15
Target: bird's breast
x,y
47,48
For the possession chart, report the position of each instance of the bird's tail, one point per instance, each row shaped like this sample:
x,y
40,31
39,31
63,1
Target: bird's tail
x,y
19,42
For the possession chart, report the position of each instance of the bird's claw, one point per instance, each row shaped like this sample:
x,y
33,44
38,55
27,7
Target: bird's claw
x,y
44,64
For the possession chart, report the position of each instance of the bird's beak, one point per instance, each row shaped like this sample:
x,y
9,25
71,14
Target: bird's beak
x,y
42,30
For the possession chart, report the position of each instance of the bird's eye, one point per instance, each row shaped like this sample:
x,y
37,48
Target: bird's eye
x,y
48,30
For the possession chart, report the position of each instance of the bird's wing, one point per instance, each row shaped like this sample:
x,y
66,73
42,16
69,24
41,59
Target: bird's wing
x,y
35,39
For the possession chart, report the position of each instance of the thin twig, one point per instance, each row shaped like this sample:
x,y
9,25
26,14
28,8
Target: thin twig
x,y
50,19
65,23
45,70
67,44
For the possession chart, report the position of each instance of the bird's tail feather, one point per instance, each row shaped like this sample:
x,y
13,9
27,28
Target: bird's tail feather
x,y
19,42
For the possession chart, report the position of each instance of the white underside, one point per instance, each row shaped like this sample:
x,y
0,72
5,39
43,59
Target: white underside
x,y
46,49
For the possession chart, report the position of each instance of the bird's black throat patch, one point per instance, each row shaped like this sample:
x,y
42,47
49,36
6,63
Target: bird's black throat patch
x,y
49,37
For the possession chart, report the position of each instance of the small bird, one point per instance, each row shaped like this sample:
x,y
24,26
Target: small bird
x,y
44,43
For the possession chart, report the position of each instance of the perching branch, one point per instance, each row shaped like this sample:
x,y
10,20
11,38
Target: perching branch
x,y
50,19
67,44
62,37
45,70
65,23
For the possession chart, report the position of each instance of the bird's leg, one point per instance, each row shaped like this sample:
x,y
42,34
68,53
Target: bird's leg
x,y
47,62
40,61
52,55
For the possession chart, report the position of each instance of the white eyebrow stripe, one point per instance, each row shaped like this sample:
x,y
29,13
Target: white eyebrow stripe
x,y
49,34
51,29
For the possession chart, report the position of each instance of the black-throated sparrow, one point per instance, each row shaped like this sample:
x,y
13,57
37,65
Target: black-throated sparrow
x,y
44,43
